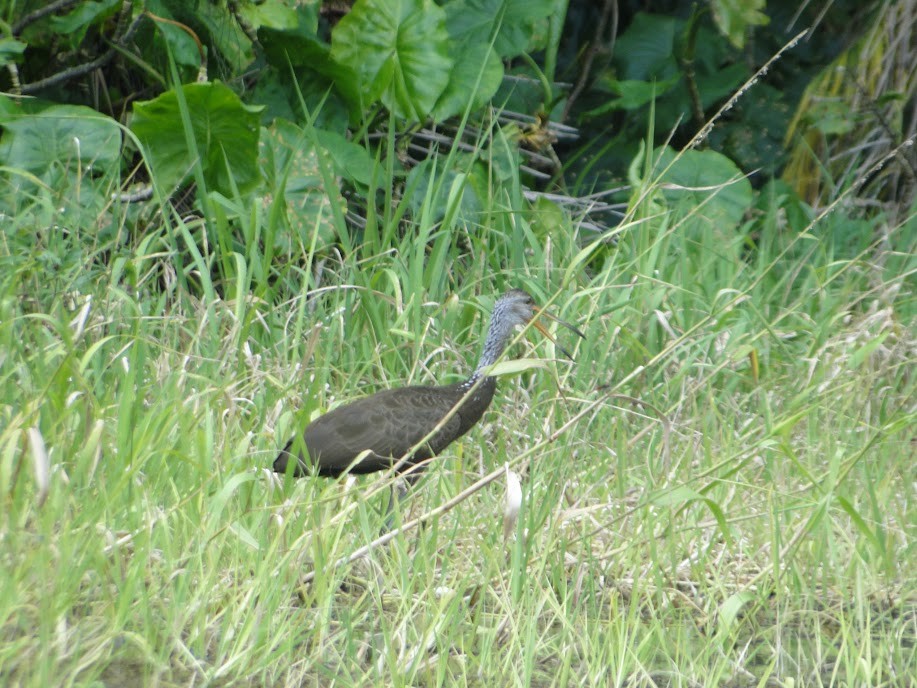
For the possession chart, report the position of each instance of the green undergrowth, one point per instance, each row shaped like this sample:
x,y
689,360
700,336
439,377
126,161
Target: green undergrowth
x,y
718,492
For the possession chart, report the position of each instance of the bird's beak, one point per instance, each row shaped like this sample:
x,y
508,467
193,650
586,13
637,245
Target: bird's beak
x,y
544,330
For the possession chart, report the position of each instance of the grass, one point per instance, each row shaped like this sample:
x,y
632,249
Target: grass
x,y
719,492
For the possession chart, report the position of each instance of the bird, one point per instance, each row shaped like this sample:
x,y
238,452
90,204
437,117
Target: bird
x,y
379,431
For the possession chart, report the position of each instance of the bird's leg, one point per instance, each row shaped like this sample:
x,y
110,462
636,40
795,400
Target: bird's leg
x,y
398,492
400,488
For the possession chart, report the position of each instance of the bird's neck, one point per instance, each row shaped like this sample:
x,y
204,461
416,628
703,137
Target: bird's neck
x,y
480,381
498,336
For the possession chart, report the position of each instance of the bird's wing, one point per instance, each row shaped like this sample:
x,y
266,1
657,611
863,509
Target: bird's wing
x,y
388,423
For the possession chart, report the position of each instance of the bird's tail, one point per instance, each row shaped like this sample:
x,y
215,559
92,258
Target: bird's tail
x,y
283,459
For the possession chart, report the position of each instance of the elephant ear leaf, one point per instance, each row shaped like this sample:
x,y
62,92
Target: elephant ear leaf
x,y
476,76
56,136
225,137
399,51
517,23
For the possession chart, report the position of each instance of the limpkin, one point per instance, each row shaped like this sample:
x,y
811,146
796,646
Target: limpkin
x,y
376,432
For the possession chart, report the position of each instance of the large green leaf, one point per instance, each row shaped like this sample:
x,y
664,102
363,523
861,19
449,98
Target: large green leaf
x,y
632,94
400,51
476,76
517,22
225,132
316,70
56,136
292,47
706,181
645,51
350,160
463,190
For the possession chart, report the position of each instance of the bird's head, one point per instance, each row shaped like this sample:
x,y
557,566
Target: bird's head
x,y
517,308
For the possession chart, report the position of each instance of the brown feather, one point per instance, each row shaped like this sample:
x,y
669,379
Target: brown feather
x,y
388,424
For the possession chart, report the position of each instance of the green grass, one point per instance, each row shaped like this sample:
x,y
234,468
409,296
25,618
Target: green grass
x,y
685,520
